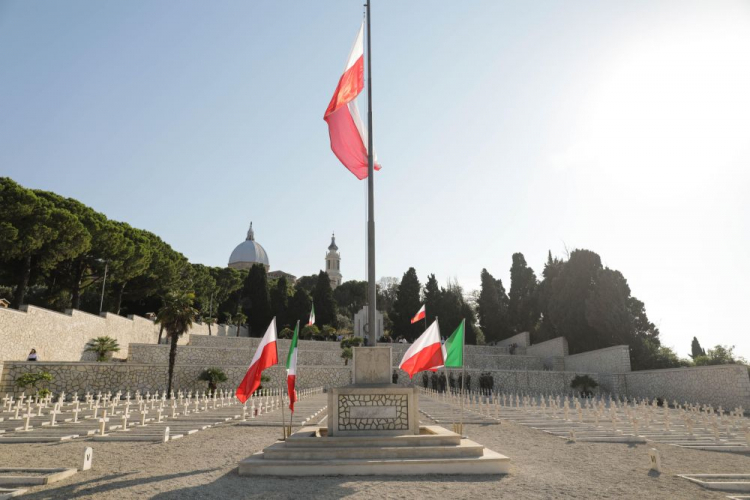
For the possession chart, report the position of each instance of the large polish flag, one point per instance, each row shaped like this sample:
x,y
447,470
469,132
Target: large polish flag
x,y
265,357
348,134
425,353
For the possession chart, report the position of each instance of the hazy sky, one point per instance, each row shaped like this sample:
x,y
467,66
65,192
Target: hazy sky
x,y
620,127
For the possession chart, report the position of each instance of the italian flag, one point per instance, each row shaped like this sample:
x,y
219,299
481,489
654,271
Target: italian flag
x,y
420,315
425,353
312,316
453,349
348,134
265,357
291,368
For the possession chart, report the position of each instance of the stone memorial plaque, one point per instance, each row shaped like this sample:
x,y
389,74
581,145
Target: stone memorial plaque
x,y
360,412
372,365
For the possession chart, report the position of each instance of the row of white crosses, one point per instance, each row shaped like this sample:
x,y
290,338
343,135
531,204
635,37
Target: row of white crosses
x,y
268,400
640,414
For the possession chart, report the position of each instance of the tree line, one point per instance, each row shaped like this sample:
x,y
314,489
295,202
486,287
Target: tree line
x,y
55,252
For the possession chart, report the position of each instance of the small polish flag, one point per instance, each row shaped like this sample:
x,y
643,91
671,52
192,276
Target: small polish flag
x,y
420,315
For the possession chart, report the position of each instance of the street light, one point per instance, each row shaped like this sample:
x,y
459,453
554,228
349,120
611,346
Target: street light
x,y
104,282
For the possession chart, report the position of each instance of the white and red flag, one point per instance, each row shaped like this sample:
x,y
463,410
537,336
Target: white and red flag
x,y
419,316
265,357
348,134
425,353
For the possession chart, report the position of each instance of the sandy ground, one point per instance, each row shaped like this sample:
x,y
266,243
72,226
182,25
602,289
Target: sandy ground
x,y
205,466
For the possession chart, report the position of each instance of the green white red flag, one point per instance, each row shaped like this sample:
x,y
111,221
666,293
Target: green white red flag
x,y
453,349
291,369
312,316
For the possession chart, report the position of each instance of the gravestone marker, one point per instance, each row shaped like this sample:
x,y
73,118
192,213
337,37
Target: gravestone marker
x,y
88,457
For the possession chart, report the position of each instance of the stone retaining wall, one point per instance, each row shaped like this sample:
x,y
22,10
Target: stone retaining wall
x,y
726,385
82,377
550,348
63,336
609,360
311,353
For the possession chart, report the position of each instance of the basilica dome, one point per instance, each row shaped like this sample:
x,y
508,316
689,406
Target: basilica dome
x,y
248,253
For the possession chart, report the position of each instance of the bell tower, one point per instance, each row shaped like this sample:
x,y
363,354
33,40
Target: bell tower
x,y
333,263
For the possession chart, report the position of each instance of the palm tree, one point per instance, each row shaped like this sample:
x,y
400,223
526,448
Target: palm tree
x,y
102,346
209,321
214,377
239,319
176,316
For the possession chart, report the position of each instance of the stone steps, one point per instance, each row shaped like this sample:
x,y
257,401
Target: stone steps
x,y
465,449
310,453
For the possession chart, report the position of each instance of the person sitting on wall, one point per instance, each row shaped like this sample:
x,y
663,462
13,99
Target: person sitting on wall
x,y
32,356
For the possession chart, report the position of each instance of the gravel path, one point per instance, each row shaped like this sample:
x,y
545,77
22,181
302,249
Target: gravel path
x,y
204,466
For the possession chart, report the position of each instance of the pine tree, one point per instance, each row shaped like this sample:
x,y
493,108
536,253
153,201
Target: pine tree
x,y
325,306
522,304
406,305
257,302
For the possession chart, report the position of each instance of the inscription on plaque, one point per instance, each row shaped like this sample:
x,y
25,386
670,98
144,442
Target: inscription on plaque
x,y
359,412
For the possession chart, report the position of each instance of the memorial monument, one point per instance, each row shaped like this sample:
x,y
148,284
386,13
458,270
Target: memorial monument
x,y
372,425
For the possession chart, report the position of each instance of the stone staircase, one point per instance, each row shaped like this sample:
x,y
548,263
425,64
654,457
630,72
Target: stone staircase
x,y
435,450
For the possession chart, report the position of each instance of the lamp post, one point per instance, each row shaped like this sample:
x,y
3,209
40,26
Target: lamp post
x,y
104,282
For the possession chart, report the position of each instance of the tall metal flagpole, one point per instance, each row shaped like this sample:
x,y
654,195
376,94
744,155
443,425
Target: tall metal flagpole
x,y
371,291
281,396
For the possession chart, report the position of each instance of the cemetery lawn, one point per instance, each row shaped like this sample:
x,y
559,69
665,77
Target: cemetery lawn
x,y
204,466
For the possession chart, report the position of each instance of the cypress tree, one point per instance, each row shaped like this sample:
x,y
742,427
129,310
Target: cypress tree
x,y
431,298
523,312
257,303
325,306
696,349
279,302
406,305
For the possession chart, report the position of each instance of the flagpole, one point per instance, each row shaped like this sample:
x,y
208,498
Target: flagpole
x,y
281,394
463,379
371,290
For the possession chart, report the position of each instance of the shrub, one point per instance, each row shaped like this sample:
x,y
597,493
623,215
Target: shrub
x,y
214,377
328,333
286,333
347,354
309,332
584,384
103,347
32,379
351,342
486,381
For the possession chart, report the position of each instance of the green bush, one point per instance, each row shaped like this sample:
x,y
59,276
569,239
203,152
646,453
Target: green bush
x,y
584,384
286,333
32,379
347,354
309,332
351,342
